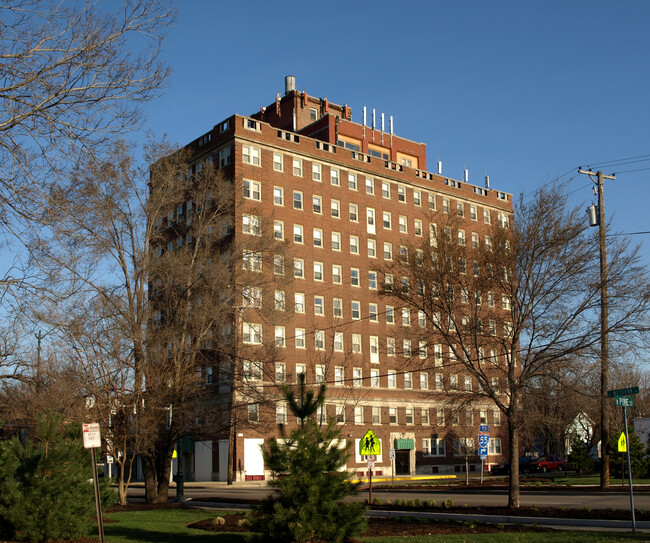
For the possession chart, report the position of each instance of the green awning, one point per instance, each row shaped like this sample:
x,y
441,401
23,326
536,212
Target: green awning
x,y
404,444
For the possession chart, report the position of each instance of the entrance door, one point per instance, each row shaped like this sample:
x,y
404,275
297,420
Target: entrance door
x,y
402,462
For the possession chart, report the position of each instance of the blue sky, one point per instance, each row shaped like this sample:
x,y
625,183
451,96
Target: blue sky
x,y
525,91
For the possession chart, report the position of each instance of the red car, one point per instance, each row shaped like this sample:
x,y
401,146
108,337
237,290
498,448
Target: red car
x,y
548,463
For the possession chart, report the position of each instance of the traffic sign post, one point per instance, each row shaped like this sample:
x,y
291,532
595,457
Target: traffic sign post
x,y
370,446
483,442
92,439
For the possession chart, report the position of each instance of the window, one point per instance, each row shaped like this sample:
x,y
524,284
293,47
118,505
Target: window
x,y
251,155
300,338
339,376
401,194
338,341
316,171
409,415
423,349
486,216
358,414
406,316
299,302
392,415
252,297
252,333
472,213
390,314
403,228
280,372
370,186
337,307
252,370
299,268
278,265
453,382
494,445
439,383
278,196
387,220
297,167
496,417
301,369
376,413
319,340
318,237
253,412
475,241
370,219
320,373
335,207
280,300
334,177
356,343
357,377
436,445
317,204
280,336
373,313
422,319
352,181
372,248
408,380
406,348
277,162
319,305
424,381
354,245
297,199
461,237
445,205
374,379
460,209
252,190
278,230
280,413
385,189
374,349
432,202
372,280
318,271
505,302
502,220
388,251
336,274
417,198
417,227
252,261
468,383
388,282
298,233
390,346
336,241
354,277
424,415
392,379
356,309
354,213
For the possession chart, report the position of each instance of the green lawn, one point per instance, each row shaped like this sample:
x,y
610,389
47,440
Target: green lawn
x,y
169,526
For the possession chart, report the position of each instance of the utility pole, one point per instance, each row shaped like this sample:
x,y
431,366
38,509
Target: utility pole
x,y
604,328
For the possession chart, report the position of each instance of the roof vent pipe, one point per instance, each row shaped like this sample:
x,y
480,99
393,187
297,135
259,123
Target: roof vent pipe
x,y
289,84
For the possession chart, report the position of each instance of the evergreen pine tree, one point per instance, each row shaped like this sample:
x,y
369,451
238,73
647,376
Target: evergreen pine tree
x,y
46,490
618,460
309,479
579,458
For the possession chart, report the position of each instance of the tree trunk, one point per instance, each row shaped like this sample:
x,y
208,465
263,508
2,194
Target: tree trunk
x,y
513,436
466,471
121,485
150,479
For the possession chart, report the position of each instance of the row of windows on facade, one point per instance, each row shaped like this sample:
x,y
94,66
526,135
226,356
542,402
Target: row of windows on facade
x,y
252,225
253,372
252,155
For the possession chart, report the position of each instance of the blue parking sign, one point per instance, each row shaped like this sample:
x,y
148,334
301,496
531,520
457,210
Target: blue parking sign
x,y
482,452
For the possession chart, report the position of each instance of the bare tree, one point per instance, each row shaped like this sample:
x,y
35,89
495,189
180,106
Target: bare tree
x,y
518,305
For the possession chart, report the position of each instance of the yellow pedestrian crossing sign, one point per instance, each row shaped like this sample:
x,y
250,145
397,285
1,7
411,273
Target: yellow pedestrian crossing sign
x,y
622,443
369,444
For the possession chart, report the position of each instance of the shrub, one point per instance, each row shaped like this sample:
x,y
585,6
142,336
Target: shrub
x,y
45,493
448,503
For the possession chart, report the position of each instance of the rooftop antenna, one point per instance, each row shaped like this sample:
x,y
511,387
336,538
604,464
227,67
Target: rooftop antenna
x,y
391,130
382,128
487,180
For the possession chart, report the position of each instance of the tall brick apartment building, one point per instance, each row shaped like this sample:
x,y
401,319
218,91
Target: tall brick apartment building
x,y
345,197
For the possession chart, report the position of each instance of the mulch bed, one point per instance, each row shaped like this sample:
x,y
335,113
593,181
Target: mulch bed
x,y
405,526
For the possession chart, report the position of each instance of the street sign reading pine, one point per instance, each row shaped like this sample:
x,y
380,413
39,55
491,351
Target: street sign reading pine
x,y
622,392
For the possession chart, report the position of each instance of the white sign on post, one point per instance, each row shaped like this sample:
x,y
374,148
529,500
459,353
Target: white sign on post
x,y
92,437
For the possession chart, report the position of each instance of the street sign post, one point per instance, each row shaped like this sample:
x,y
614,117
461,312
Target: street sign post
x,y
370,446
483,442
